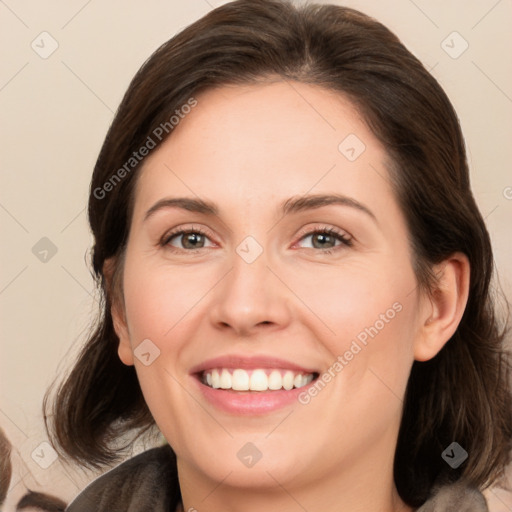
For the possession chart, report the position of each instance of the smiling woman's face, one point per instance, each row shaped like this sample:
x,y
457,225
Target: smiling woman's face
x,y
254,287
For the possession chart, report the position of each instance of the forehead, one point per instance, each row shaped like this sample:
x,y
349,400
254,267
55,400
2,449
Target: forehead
x,y
284,116
257,142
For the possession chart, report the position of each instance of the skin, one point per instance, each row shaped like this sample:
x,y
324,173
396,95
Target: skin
x,y
248,149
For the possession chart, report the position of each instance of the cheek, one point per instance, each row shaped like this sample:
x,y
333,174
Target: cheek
x,y
160,306
368,322
159,299
358,297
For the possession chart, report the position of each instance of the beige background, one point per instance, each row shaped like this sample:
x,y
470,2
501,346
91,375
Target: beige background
x,y
55,112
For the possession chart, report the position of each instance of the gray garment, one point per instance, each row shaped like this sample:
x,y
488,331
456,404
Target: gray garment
x,y
149,483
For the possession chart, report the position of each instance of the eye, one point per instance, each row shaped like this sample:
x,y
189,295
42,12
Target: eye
x,y
326,239
186,239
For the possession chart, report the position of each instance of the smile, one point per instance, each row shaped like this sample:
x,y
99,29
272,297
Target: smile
x,y
248,385
255,380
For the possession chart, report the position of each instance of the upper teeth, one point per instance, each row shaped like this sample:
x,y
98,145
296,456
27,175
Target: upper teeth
x,y
255,380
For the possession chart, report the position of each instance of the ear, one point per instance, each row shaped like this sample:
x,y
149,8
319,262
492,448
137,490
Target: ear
x,y
117,311
443,310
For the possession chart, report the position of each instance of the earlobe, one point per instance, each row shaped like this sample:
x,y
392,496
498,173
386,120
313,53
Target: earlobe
x,y
445,308
124,349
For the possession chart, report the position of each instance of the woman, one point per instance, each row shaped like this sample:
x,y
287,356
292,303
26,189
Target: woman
x,y
296,280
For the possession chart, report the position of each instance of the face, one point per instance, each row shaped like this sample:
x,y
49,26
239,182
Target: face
x,y
267,249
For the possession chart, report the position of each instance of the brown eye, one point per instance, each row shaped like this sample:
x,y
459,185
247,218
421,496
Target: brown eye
x,y
326,239
323,240
192,240
188,240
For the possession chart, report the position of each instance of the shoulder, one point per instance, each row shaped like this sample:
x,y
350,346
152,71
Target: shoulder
x,y
147,481
458,496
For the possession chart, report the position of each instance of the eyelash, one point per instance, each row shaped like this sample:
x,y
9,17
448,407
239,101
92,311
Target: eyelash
x,y
169,236
329,231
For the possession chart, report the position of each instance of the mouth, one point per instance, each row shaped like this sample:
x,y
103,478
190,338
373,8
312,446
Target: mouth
x,y
254,385
259,380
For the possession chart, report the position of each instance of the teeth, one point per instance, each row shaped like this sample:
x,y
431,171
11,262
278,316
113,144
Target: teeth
x,y
259,380
288,380
239,380
275,381
215,379
255,380
225,381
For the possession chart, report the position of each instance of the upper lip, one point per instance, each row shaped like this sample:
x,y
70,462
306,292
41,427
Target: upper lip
x,y
249,363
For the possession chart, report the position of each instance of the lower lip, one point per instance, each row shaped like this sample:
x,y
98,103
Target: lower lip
x,y
250,403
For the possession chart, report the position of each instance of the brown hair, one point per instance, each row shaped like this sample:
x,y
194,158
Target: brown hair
x,y
42,502
463,393
5,466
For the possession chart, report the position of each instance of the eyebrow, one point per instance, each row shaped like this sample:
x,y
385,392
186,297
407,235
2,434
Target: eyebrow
x,y
291,205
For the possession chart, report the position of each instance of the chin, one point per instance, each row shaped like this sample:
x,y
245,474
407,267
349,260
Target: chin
x,y
257,464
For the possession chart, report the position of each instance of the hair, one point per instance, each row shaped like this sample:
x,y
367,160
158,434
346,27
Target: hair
x,y
39,501
463,394
5,466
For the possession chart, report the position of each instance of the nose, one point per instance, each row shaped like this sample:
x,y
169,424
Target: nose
x,y
250,298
